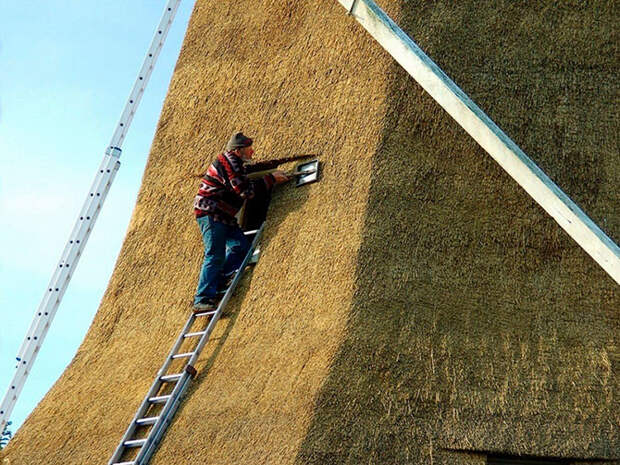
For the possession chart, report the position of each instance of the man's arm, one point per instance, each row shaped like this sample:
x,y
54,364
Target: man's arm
x,y
272,164
239,181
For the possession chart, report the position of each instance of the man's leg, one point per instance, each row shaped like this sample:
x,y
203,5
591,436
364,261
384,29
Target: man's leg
x,y
214,238
237,246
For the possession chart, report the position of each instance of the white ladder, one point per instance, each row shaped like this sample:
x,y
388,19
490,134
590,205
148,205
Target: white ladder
x,y
144,445
84,224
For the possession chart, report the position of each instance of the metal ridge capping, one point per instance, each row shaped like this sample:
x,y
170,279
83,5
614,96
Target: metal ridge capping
x,y
487,134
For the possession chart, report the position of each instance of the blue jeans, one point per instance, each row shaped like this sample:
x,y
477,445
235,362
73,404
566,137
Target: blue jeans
x,y
225,249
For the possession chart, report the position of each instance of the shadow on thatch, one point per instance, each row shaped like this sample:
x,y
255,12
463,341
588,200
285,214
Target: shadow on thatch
x,y
476,323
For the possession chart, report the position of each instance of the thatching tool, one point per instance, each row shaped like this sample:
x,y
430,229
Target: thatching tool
x,y
273,164
305,173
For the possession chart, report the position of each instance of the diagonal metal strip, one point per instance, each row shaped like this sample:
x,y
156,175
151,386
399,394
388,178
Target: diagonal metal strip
x,y
490,137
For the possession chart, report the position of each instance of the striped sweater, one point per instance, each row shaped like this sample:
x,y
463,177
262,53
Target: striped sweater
x,y
225,187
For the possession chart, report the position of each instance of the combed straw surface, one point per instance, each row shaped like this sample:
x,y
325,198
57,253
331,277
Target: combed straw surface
x,y
415,305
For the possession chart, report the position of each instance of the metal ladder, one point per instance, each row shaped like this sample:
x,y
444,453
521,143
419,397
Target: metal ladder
x,y
84,224
144,447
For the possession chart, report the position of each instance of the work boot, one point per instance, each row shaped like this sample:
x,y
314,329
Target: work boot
x,y
207,305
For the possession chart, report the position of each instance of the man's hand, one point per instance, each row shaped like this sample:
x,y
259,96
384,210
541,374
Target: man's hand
x,y
280,177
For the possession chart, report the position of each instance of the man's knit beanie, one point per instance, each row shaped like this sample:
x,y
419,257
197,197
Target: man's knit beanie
x,y
238,141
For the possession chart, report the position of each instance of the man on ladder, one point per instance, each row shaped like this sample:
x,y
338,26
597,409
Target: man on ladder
x,y
223,190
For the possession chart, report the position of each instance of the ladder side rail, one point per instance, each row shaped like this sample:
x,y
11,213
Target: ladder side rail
x,y
487,134
120,448
171,406
44,316
166,414
74,244
150,447
137,91
69,260
39,326
55,276
151,392
175,348
85,224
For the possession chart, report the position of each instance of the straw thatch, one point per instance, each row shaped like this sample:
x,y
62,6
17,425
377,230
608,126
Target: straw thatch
x,y
415,306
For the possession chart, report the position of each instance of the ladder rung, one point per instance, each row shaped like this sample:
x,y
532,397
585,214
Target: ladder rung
x,y
135,443
199,333
147,421
183,355
251,233
171,378
209,313
159,399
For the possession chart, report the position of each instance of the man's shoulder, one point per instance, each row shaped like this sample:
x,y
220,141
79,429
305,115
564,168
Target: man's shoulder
x,y
233,159
232,154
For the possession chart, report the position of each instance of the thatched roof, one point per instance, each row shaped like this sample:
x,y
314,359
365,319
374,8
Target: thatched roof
x,y
413,304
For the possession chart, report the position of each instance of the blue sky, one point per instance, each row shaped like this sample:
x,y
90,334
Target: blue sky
x,y
66,69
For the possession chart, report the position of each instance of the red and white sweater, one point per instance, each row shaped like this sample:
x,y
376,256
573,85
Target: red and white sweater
x,y
225,186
